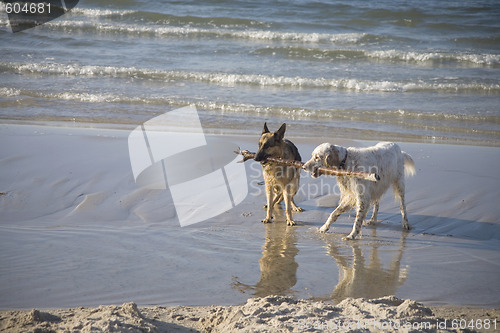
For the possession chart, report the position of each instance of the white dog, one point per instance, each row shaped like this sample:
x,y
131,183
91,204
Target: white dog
x,y
385,159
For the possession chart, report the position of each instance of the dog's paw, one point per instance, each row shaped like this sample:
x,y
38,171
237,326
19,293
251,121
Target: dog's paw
x,y
370,222
290,222
323,229
348,237
406,226
298,209
267,220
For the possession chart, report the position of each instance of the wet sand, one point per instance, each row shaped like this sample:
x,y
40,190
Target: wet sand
x,y
77,231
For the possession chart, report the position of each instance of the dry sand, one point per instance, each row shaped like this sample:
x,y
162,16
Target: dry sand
x,y
268,314
75,230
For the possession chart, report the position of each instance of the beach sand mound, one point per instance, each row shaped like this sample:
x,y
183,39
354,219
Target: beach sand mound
x,y
124,318
286,314
267,314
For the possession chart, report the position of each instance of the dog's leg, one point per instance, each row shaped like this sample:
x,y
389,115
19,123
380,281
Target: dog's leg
x,y
270,201
288,206
373,220
276,200
343,206
296,182
361,211
399,190
296,208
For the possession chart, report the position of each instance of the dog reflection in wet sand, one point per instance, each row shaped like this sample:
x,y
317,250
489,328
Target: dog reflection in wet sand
x,y
364,274
362,270
278,268
282,182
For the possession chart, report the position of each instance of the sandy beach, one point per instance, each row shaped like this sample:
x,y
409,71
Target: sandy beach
x,y
77,233
268,314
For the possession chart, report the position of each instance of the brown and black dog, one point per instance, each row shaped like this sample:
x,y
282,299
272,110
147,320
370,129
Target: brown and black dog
x,y
282,181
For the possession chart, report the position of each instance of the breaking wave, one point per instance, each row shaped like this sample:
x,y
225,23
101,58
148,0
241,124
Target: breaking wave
x,y
335,55
251,109
190,31
230,79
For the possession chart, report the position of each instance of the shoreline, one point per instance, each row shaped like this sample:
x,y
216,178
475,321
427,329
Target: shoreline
x,y
299,134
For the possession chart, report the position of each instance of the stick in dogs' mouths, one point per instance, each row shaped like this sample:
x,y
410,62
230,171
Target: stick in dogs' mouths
x,y
247,155
314,173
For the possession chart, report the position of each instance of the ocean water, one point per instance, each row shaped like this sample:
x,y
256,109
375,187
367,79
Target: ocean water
x,y
384,70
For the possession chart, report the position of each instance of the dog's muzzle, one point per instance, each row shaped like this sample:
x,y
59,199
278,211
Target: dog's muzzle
x,y
315,172
312,168
259,157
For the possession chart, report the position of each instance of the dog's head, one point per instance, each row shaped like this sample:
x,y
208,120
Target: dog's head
x,y
324,155
270,144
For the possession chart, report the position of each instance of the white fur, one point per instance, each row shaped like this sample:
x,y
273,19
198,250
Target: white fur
x,y
386,159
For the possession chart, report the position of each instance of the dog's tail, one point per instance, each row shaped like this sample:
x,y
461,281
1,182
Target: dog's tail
x,y
409,164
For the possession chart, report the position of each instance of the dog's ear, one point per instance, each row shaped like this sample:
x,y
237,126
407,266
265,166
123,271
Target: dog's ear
x,y
327,160
280,134
332,158
265,130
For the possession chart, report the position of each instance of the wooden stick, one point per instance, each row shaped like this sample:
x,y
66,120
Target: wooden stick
x,y
322,170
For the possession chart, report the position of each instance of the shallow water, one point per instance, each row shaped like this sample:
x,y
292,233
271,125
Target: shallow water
x,y
228,263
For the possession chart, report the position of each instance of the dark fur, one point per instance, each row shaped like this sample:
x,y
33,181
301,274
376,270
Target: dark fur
x,y
282,181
